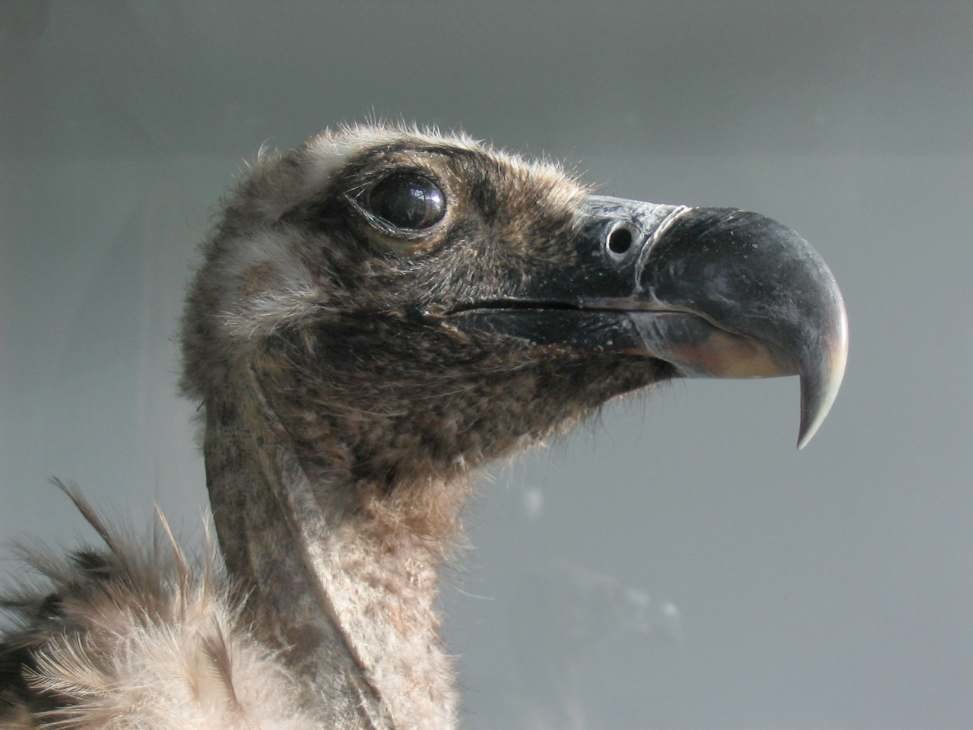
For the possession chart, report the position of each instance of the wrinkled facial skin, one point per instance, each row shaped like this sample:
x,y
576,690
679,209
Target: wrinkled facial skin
x,y
383,371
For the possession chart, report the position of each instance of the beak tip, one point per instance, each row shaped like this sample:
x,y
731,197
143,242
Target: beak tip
x,y
805,436
813,414
820,383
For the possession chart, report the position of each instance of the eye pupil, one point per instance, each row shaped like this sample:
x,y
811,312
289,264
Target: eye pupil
x,y
407,201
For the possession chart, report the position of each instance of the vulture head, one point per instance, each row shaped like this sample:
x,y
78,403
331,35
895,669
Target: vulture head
x,y
423,303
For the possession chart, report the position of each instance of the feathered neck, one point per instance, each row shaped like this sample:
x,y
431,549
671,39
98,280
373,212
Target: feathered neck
x,y
341,576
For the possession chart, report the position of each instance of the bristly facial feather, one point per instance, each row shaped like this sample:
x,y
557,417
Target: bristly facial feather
x,y
342,322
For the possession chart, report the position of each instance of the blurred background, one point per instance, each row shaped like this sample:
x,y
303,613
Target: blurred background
x,y
676,565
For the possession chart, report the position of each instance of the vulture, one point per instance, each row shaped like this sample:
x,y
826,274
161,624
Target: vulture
x,y
379,313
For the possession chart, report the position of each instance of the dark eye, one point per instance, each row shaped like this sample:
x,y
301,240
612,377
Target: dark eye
x,y
407,201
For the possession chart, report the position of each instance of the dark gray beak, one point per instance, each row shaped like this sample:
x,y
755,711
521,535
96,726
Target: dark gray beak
x,y
715,292
721,292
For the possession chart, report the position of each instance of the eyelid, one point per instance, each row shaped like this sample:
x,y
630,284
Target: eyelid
x,y
370,180
386,228
358,195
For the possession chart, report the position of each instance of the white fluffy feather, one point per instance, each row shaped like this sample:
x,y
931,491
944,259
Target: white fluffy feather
x,y
143,639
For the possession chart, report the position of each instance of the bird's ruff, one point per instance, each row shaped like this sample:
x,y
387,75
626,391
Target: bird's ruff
x,y
140,638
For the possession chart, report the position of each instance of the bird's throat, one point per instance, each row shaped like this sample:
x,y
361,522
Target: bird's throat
x,y
347,597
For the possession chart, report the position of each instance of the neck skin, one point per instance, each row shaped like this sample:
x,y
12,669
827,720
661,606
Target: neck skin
x,y
339,579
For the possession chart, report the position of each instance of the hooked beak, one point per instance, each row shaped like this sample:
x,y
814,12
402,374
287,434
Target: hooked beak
x,y
715,292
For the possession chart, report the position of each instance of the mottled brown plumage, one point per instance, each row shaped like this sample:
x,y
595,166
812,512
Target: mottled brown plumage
x,y
354,375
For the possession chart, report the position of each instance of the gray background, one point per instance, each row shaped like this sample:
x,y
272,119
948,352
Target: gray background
x,y
677,565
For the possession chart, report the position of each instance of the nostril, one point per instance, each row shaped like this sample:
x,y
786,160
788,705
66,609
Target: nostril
x,y
620,240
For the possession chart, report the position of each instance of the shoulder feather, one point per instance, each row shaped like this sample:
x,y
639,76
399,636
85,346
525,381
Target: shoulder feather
x,y
136,637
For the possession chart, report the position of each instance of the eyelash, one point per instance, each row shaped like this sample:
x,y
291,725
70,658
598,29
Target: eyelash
x,y
357,197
